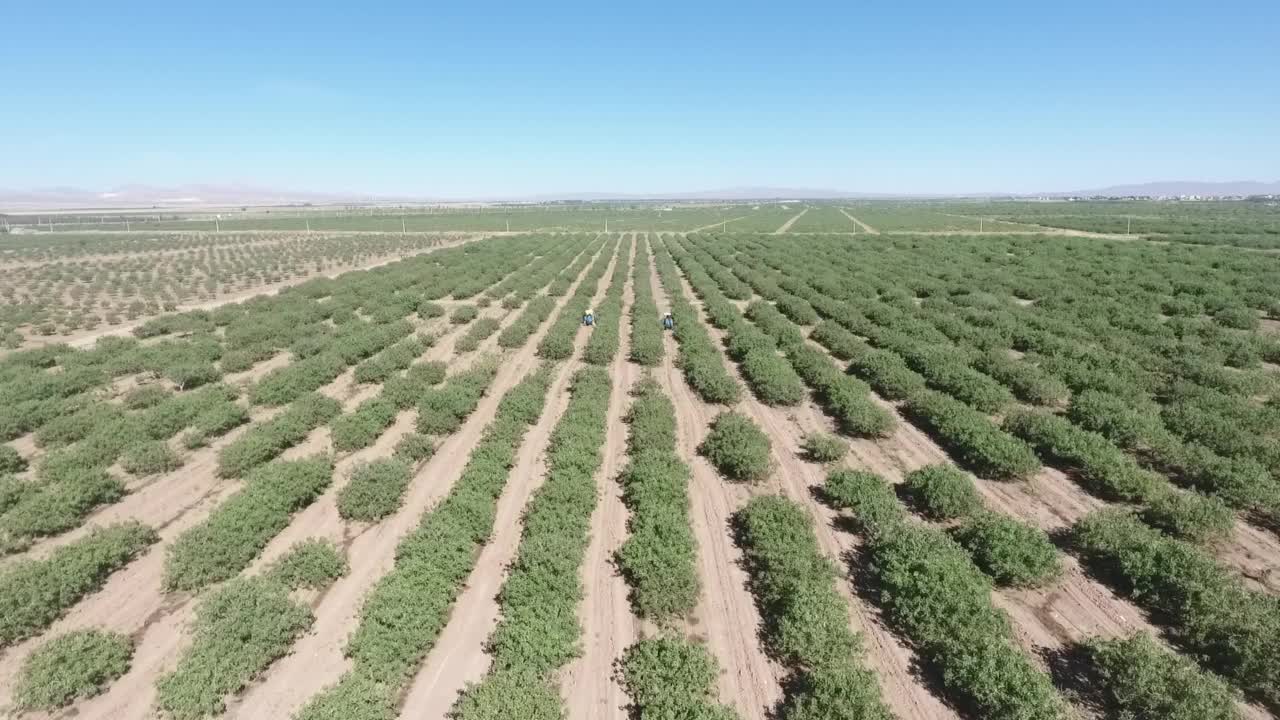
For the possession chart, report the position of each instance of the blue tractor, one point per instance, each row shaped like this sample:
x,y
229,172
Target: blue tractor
x,y
589,318
668,322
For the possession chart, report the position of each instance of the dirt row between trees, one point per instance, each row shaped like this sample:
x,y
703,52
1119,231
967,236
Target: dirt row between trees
x,y
609,627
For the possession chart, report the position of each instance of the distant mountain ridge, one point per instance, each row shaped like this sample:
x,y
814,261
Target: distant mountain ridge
x,y
214,195
1183,188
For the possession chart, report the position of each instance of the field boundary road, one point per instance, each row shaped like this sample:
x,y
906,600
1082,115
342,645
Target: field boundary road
x,y
787,225
865,227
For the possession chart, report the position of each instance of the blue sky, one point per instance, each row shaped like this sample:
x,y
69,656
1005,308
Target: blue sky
x,y
478,98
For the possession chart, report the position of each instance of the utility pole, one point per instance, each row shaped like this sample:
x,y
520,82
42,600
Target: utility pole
x,y
402,230
126,225
606,224
308,226
1128,225
979,225
508,224
217,223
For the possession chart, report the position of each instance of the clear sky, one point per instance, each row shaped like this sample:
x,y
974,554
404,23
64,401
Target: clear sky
x,y
475,98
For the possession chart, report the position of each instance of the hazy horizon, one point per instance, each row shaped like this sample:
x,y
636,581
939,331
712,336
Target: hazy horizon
x,y
465,102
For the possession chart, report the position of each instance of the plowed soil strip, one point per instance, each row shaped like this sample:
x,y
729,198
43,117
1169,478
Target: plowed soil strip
x,y
726,618
589,688
458,656
318,660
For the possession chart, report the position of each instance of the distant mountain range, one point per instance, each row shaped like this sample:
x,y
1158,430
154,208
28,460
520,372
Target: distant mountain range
x,y
211,195
1183,188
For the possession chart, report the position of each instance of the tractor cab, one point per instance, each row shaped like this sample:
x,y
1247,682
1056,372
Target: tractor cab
x,y
668,322
589,318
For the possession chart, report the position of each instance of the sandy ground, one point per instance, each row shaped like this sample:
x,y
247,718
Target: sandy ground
x,y
787,225
609,627
317,660
726,618
458,656
865,227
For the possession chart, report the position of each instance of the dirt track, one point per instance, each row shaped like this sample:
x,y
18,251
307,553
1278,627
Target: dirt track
x,y
865,227
787,225
608,625
726,618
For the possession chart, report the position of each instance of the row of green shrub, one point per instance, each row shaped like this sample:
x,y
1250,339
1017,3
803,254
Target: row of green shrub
x,y
1240,481
738,448
1107,471
404,389
603,342
539,631
659,557
407,609
266,441
1026,381
566,277
845,399
771,378
72,478
699,359
972,438
1141,679
520,286
233,535
476,334
73,666
668,677
308,374
375,489
362,426
442,410
1011,552
806,622
647,345
243,627
397,357
29,510
557,343
34,593
527,322
1231,630
937,597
